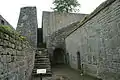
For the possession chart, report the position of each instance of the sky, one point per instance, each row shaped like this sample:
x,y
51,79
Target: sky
x,y
10,9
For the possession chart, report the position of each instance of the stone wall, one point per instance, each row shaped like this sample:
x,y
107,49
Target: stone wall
x,y
52,22
98,40
57,39
27,24
16,55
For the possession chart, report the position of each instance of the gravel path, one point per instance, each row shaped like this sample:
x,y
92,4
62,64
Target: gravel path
x,y
63,72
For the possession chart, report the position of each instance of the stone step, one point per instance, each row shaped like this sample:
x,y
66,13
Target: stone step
x,y
42,60
44,75
42,54
42,63
35,73
42,66
48,69
45,62
41,57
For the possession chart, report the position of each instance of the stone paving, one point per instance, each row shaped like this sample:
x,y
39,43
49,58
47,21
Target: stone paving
x,y
65,73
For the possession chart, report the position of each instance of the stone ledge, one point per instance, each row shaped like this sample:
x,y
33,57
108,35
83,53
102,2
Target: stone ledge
x,y
94,13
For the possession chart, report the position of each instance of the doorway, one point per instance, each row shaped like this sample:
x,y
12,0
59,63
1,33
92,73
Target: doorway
x,y
78,60
58,56
67,58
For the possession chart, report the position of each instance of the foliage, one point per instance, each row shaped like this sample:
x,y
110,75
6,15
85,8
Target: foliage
x,y
22,38
8,30
65,5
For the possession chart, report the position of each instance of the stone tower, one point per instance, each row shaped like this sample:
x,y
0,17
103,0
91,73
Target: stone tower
x,y
27,24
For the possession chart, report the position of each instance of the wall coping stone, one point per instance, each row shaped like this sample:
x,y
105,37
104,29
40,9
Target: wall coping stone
x,y
94,13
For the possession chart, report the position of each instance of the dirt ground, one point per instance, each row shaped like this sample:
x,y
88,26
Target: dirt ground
x,y
63,72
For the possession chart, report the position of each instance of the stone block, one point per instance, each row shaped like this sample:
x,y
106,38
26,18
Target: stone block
x,y
6,37
1,68
3,58
2,42
13,46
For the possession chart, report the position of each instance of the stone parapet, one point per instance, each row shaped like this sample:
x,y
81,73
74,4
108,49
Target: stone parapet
x,y
16,55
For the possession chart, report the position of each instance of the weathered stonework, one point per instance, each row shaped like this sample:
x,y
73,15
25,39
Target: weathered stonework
x,y
27,24
97,39
57,39
52,22
56,28
16,56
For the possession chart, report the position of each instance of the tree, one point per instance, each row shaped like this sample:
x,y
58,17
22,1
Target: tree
x,y
65,5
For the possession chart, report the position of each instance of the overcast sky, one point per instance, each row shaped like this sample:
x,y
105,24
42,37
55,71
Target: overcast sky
x,y
10,9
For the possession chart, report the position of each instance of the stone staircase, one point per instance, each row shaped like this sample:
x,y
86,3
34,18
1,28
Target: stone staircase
x,y
42,61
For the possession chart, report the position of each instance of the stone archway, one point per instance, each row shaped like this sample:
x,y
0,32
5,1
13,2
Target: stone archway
x,y
58,56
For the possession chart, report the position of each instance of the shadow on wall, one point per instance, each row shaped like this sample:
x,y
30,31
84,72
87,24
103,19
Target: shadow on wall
x,y
2,22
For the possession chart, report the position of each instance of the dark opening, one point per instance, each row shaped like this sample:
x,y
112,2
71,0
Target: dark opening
x,y
67,58
39,38
58,56
2,22
79,60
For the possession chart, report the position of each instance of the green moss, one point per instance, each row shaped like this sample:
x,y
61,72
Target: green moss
x,y
8,30
22,38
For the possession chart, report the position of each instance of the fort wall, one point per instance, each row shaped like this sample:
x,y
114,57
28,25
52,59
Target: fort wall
x,y
52,22
97,39
16,55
